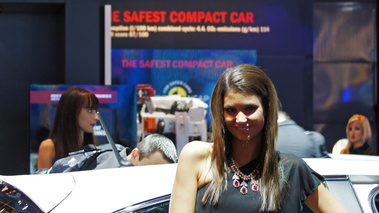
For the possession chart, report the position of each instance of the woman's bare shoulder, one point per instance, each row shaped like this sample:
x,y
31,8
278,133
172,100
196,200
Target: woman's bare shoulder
x,y
47,144
197,149
46,154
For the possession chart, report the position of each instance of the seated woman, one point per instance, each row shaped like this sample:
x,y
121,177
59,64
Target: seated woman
x,y
72,128
358,133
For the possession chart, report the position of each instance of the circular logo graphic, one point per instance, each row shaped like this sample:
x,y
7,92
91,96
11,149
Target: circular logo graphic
x,y
177,90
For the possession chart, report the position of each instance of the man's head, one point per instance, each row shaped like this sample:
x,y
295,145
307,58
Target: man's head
x,y
154,149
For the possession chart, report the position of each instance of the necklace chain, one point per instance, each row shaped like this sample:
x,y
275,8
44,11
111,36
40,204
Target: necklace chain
x,y
241,175
245,178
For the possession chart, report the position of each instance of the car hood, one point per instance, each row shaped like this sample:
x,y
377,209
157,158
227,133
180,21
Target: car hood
x,y
46,191
352,165
103,190
108,190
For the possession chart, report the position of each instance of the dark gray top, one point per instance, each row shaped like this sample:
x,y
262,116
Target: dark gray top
x,y
298,181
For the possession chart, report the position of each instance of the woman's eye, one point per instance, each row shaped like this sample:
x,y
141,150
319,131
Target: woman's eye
x,y
90,110
251,108
229,109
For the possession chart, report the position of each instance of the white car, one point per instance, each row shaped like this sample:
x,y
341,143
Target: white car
x,y
352,179
104,190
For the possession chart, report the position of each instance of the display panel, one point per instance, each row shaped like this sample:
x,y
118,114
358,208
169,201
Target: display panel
x,y
270,34
345,69
272,27
189,73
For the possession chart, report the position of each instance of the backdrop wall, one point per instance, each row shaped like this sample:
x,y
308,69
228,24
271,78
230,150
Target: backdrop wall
x,y
61,42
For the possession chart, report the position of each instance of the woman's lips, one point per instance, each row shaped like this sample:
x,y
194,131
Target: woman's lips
x,y
243,128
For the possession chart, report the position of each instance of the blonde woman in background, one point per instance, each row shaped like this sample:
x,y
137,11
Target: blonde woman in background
x,y
358,133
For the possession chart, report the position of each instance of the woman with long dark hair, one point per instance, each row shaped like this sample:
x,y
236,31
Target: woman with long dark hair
x,y
241,171
72,128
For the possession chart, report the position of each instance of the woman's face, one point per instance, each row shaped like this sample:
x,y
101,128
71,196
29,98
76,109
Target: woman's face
x,y
87,119
244,115
355,132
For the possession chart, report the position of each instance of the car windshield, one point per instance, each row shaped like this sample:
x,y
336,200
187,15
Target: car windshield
x,y
13,200
156,205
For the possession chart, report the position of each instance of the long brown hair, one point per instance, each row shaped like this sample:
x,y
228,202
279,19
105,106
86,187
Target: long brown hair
x,y
250,79
65,132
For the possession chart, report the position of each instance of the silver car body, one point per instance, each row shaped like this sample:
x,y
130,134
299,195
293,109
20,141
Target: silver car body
x,y
109,190
104,190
